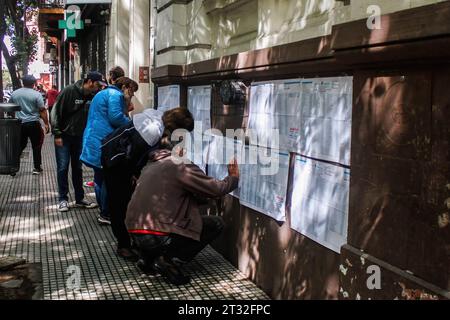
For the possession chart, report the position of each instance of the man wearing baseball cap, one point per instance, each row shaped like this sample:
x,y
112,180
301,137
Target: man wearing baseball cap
x,y
69,118
33,108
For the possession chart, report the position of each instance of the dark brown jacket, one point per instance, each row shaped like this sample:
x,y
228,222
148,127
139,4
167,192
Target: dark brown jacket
x,y
165,196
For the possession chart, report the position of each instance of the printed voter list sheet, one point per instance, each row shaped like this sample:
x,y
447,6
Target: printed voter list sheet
x,y
168,97
199,104
320,200
221,152
276,106
326,119
263,183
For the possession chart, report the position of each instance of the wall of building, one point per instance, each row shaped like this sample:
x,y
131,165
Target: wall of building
x,y
192,31
399,191
129,44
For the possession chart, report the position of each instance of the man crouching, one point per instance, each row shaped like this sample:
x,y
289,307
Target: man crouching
x,y
163,216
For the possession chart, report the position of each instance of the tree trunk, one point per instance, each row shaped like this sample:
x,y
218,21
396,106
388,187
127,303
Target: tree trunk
x,y
11,67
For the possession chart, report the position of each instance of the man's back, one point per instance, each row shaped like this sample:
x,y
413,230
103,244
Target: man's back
x,y
52,94
31,103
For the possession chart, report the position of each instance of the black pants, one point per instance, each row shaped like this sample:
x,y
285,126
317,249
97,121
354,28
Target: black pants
x,y
176,246
120,189
33,131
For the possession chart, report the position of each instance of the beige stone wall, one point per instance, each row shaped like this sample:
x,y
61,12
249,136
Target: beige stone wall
x,y
232,26
129,44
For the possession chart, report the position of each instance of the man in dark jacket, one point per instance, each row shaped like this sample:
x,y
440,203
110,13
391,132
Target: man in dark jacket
x,y
69,117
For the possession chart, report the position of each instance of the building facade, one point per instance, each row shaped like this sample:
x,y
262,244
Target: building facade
x,y
398,55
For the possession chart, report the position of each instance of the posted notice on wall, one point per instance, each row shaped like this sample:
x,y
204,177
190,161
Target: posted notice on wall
x,y
168,97
222,151
320,200
312,116
199,104
263,181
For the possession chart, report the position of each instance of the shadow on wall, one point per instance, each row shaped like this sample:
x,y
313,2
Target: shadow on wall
x,y
398,186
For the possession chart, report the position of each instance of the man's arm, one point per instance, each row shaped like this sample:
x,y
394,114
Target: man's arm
x,y
57,116
195,181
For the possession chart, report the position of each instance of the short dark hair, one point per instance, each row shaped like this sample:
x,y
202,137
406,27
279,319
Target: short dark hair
x,y
127,83
29,81
178,118
116,73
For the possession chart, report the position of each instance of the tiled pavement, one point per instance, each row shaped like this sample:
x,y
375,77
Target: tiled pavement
x,y
67,243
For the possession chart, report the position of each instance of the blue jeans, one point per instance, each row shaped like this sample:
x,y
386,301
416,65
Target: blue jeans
x,y
100,192
69,153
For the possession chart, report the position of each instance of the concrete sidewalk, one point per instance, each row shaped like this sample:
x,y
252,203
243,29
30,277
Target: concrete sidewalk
x,y
67,244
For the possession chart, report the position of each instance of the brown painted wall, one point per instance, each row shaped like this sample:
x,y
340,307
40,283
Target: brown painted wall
x,y
400,170
400,162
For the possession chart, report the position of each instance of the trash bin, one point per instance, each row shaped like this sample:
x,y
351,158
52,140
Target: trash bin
x,y
10,131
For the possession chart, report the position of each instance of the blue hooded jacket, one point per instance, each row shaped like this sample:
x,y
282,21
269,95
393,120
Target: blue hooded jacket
x,y
107,113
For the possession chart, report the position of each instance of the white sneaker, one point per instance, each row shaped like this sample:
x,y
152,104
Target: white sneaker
x,y
63,206
86,205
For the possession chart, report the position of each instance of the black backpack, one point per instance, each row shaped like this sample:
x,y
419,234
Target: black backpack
x,y
116,147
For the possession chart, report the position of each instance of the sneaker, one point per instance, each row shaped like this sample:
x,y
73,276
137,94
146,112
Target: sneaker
x,y
103,221
37,171
63,206
89,184
171,273
86,205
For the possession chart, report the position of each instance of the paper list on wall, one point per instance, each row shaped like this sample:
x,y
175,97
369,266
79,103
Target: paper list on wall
x,y
313,117
199,104
326,119
320,197
263,183
275,106
168,97
221,152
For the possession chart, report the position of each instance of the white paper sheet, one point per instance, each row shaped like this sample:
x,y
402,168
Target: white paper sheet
x,y
221,152
312,116
168,97
326,119
265,193
199,104
320,200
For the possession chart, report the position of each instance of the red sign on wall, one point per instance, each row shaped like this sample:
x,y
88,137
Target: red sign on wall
x,y
144,75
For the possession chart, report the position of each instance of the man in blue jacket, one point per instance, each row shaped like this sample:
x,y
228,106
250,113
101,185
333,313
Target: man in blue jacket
x,y
69,116
108,112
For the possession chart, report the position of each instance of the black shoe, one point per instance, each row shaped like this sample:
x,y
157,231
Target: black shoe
x,y
127,254
145,268
171,273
